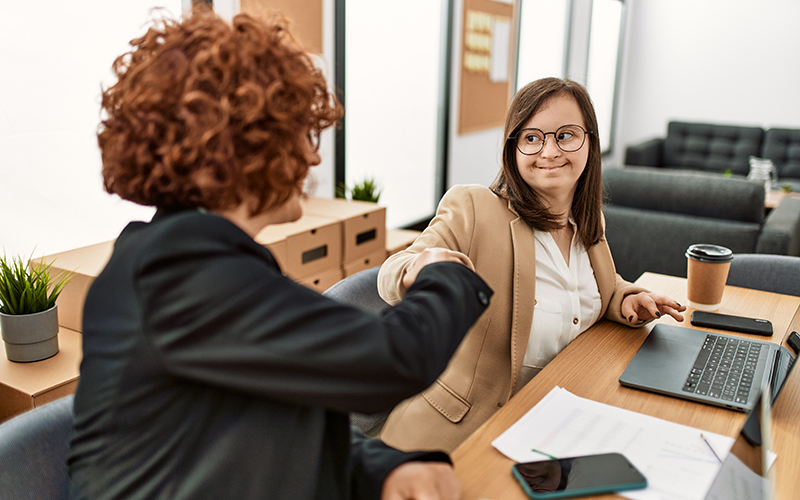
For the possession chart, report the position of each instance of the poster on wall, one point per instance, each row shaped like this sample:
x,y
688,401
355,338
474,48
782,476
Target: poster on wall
x,y
486,64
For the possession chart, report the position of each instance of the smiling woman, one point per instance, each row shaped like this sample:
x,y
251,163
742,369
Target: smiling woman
x,y
536,236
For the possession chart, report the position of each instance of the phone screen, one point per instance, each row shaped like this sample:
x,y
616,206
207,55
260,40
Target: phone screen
x,y
578,476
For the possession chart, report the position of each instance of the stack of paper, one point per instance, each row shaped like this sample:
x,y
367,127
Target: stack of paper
x,y
676,461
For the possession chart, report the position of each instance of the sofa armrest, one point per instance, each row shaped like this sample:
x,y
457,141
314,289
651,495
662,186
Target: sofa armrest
x,y
781,232
646,154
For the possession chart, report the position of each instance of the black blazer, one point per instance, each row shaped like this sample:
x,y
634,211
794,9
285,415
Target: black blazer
x,y
207,373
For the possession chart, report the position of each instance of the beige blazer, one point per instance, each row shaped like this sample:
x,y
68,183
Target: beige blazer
x,y
482,375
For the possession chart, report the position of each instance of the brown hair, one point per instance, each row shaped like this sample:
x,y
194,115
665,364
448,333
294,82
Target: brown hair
x,y
208,114
587,204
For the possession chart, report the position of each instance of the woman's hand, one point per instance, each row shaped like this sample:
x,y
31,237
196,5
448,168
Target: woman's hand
x,y
422,481
431,255
645,306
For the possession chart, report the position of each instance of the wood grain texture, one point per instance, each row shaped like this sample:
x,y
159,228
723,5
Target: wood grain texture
x,y
590,368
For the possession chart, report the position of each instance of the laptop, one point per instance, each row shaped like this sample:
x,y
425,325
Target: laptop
x,y
712,368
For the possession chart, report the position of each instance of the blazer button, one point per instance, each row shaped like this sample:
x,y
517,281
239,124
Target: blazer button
x,y
483,298
574,321
534,301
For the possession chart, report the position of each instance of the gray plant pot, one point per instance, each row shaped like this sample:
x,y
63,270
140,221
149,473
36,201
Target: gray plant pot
x,y
30,337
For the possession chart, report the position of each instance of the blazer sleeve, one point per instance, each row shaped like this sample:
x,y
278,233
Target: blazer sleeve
x,y
451,228
622,289
373,460
218,315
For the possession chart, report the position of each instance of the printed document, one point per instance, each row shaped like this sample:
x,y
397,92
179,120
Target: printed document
x,y
675,459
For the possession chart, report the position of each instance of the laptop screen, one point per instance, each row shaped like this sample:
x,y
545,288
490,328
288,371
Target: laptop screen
x,y
743,475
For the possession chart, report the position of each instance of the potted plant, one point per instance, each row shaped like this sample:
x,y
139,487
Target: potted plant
x,y
366,190
28,311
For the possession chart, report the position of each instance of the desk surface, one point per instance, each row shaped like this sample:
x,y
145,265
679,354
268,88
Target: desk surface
x,y
590,368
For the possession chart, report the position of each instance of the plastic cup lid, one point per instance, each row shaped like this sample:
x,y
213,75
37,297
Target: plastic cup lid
x,y
709,253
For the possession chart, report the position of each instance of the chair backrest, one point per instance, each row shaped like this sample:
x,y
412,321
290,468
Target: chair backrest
x,y
767,272
34,448
361,290
782,146
711,147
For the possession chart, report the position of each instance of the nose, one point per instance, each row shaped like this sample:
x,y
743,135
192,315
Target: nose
x,y
316,159
550,148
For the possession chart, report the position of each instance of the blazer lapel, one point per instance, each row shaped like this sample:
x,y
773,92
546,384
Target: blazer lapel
x,y
524,249
604,272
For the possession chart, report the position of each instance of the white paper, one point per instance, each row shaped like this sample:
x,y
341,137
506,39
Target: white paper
x,y
676,461
501,39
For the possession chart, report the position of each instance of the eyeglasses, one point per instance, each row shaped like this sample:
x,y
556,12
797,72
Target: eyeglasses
x,y
569,138
313,139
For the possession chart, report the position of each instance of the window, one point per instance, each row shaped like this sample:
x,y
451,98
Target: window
x,y
543,40
394,102
603,65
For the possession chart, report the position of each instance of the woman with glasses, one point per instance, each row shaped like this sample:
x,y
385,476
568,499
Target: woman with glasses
x,y
537,237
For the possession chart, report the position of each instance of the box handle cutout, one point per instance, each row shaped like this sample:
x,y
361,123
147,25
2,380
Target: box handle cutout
x,y
366,236
315,254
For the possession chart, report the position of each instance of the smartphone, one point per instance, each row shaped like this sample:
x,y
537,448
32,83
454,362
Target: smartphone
x,y
577,476
753,326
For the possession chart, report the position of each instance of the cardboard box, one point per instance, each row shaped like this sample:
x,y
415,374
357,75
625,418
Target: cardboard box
x,y
363,224
313,245
24,386
366,262
321,282
398,240
87,263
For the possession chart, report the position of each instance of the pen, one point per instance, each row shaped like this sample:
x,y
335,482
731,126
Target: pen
x,y
551,457
710,448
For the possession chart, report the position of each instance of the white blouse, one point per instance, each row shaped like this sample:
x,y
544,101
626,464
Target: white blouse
x,y
567,301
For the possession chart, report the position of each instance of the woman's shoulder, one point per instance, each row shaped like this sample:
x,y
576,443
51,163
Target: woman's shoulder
x,y
478,193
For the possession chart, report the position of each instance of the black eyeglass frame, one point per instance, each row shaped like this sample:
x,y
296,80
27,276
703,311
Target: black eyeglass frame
x,y
544,138
314,139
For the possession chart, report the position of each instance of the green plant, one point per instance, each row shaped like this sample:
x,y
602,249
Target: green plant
x,y
27,288
366,190
727,173
787,188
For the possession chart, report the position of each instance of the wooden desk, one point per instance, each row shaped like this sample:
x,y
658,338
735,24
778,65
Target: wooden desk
x,y
774,197
24,386
590,368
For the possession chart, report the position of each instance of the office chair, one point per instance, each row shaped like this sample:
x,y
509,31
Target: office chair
x,y
767,272
361,290
33,453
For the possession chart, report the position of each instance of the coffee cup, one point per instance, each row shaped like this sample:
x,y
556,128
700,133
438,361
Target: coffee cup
x,y
707,272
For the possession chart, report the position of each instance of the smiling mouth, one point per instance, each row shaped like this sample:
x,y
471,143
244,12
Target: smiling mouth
x,y
551,169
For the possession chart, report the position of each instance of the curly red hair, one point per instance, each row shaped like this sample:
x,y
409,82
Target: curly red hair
x,y
208,114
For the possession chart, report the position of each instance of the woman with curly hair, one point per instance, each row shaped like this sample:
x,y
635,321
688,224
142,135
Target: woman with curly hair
x,y
206,372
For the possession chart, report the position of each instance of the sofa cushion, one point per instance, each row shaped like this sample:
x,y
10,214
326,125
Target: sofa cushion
x,y
646,240
782,146
709,147
685,192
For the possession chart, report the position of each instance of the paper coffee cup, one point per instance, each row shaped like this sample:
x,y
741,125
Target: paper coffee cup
x,y
707,272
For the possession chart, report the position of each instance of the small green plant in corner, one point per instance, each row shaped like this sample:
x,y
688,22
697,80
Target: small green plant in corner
x,y
787,188
727,173
366,190
27,288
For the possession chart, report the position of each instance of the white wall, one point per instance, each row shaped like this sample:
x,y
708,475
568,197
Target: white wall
x,y
53,60
718,61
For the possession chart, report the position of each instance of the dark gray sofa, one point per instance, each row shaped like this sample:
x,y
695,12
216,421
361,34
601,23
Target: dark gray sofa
x,y
653,215
717,148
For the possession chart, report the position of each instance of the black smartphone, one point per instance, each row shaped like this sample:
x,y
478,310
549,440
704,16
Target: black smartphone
x,y
577,476
794,342
741,324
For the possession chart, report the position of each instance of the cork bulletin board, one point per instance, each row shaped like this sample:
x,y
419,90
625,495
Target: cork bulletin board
x,y
305,18
487,60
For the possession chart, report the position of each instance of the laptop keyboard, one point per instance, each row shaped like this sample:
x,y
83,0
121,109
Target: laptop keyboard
x,y
724,369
